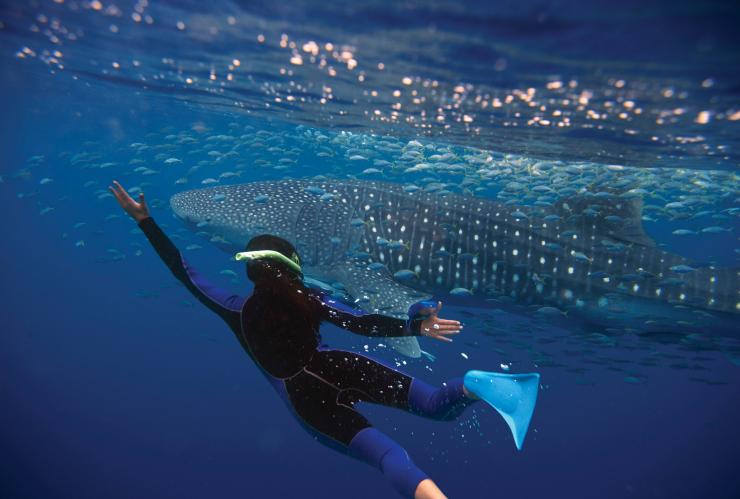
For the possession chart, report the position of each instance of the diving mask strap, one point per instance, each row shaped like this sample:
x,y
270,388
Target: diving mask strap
x,y
273,255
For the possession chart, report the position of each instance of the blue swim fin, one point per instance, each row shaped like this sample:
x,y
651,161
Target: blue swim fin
x,y
512,395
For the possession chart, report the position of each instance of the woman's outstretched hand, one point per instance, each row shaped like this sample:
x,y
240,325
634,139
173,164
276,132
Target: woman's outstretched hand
x,y
138,211
437,328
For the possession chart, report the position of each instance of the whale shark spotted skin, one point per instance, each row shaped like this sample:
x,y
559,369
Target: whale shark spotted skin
x,y
389,247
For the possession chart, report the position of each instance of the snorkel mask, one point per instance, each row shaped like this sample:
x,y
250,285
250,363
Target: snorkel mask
x,y
250,256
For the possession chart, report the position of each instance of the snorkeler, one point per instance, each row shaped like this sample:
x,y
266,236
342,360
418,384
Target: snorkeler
x,y
278,326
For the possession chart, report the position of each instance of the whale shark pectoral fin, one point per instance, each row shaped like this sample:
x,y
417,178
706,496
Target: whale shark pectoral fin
x,y
408,347
375,290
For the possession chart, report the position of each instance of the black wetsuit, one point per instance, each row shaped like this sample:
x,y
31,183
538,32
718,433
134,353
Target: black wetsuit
x,y
319,384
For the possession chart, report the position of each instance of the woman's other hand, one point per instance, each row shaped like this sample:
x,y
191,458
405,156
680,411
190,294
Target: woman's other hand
x,y
437,328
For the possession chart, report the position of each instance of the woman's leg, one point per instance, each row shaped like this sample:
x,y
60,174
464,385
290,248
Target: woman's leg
x,y
317,403
445,403
377,449
360,378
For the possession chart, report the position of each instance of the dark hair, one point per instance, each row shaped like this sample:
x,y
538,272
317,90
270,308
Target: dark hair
x,y
276,278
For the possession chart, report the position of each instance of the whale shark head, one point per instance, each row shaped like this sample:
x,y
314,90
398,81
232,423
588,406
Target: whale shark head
x,y
320,219
235,214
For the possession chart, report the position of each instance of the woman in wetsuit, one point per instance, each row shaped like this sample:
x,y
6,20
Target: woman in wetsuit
x,y
278,326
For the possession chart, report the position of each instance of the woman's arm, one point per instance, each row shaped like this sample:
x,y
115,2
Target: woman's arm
x,y
225,304
219,300
422,320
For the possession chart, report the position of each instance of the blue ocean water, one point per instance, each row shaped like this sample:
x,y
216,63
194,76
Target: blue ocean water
x,y
116,383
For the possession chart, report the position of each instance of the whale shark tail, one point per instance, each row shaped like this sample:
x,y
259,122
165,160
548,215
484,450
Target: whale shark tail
x,y
512,395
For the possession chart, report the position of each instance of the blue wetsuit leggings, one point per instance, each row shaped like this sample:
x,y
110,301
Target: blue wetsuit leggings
x,y
322,397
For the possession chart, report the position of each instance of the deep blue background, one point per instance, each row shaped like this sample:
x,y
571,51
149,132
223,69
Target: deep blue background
x,y
107,394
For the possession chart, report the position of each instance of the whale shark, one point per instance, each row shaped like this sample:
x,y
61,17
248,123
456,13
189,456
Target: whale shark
x,y
385,247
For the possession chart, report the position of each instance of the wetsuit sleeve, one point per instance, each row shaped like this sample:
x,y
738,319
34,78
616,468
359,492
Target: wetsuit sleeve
x,y
220,301
367,324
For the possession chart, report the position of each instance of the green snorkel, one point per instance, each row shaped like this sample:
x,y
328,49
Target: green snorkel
x,y
273,255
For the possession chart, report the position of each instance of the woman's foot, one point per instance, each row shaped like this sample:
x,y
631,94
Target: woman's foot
x,y
470,395
428,490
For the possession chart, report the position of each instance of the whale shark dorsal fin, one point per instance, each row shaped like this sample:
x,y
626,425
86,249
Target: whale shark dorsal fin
x,y
375,290
616,217
631,231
